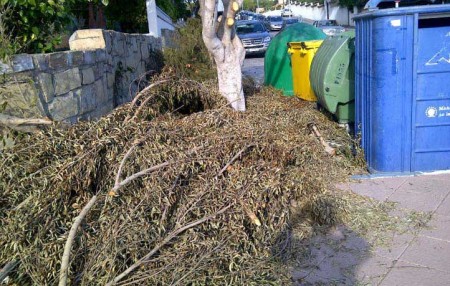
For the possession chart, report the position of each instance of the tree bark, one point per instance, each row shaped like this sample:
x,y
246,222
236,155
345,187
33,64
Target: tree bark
x,y
92,22
225,46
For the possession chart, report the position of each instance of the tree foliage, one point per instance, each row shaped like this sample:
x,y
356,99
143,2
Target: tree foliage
x,y
190,58
350,3
35,24
176,9
129,16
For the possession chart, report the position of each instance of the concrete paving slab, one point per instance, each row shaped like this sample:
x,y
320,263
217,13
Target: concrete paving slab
x,y
423,184
354,243
439,228
429,252
408,274
445,176
398,243
373,270
444,208
420,196
379,189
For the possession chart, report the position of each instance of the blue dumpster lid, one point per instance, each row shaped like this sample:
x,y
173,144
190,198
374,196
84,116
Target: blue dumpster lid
x,y
426,9
373,4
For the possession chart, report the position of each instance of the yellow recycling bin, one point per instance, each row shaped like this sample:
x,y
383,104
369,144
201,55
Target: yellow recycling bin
x,y
302,54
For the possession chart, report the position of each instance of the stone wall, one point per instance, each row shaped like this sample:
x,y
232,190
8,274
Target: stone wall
x,y
100,72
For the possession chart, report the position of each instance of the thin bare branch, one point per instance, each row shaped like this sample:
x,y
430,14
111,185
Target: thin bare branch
x,y
146,89
167,239
140,174
12,120
8,268
119,172
234,159
70,239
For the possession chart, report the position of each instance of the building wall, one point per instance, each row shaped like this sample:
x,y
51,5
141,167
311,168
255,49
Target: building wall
x,y
313,12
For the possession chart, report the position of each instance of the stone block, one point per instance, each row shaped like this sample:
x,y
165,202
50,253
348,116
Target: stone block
x,y
118,48
145,50
4,68
88,76
76,58
64,107
101,93
155,43
22,62
41,61
99,70
110,77
132,62
58,61
132,45
108,41
22,98
45,81
67,80
110,60
89,39
88,100
108,68
141,68
101,55
102,110
90,57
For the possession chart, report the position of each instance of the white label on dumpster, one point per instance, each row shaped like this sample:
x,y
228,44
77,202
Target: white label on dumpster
x,y
441,111
396,23
431,111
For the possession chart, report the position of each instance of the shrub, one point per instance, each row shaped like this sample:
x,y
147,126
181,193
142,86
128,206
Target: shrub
x,y
190,57
34,24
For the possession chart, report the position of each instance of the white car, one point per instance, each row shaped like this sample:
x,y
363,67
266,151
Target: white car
x,y
287,12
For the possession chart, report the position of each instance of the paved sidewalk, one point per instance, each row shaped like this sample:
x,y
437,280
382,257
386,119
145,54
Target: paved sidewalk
x,y
420,258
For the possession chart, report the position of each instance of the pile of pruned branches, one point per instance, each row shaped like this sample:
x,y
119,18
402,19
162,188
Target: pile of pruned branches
x,y
174,188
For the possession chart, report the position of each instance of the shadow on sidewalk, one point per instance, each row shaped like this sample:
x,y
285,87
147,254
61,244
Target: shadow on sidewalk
x,y
332,255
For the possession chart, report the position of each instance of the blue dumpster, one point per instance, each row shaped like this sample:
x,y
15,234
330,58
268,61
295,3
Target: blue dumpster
x,y
402,88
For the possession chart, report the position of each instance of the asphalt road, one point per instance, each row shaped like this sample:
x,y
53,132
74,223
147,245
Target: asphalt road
x,y
254,66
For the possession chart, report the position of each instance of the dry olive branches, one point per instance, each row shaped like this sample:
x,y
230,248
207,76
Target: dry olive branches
x,y
174,188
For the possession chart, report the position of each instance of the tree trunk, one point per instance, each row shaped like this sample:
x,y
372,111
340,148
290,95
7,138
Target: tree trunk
x,y
92,23
225,46
229,74
101,23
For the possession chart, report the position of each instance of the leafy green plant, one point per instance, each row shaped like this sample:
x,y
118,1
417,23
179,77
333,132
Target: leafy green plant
x,y
128,16
34,24
176,9
7,44
190,57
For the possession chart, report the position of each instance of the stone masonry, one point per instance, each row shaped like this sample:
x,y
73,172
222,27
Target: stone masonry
x,y
88,81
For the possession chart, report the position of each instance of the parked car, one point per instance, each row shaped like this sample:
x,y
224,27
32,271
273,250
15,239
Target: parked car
x,y
329,27
287,12
290,21
245,15
259,17
254,36
274,23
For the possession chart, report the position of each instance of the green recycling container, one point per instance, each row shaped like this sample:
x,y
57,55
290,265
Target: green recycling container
x,y
332,76
277,62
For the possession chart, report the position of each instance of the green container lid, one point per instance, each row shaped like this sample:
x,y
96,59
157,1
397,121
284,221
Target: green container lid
x,y
277,64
